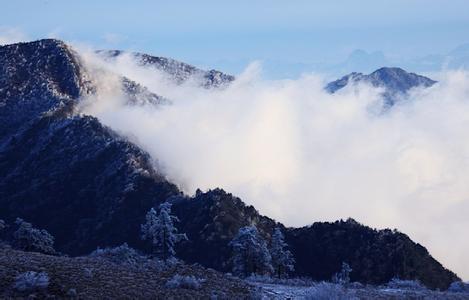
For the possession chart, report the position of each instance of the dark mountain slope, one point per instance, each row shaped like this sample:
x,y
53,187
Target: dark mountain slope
x,y
212,219
395,81
374,255
79,180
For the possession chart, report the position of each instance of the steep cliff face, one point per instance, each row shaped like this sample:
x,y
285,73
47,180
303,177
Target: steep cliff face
x,y
90,187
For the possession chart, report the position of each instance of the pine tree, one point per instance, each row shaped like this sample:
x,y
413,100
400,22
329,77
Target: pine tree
x,y
282,258
250,254
159,229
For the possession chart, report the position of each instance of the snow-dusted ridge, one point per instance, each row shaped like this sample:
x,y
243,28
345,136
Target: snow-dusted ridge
x,y
178,71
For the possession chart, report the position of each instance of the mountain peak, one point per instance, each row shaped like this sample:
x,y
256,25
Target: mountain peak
x,y
37,77
398,74
396,82
387,70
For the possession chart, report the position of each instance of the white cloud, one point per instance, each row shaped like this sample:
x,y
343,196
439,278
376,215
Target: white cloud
x,y
11,35
301,155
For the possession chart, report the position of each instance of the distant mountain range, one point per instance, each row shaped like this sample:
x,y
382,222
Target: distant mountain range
x,y
359,60
90,187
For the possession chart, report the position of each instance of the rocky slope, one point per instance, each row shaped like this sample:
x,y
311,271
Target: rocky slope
x,y
90,187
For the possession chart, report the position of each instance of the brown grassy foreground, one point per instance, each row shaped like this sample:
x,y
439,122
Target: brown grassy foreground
x,y
94,278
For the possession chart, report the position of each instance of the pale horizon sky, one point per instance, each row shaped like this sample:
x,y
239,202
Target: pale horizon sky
x,y
228,35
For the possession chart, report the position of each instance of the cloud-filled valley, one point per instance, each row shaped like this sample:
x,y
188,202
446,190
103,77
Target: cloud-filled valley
x,y
300,154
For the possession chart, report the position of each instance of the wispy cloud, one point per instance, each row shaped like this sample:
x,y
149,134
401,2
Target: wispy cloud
x,y
10,35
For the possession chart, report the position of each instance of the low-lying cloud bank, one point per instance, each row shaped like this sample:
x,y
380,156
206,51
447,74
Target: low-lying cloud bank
x,y
299,154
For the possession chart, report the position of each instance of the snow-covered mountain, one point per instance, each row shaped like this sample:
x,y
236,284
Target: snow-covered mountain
x,y
395,81
91,187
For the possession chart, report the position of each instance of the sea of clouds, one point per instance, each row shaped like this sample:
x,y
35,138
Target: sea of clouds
x,y
300,155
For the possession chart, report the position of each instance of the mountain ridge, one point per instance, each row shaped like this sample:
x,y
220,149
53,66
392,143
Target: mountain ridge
x,y
178,71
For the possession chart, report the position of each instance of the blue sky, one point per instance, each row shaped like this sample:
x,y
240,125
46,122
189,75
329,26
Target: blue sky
x,y
229,34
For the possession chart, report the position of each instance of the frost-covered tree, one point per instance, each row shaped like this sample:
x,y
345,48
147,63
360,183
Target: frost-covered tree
x,y
282,258
28,238
159,229
250,253
31,281
343,276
